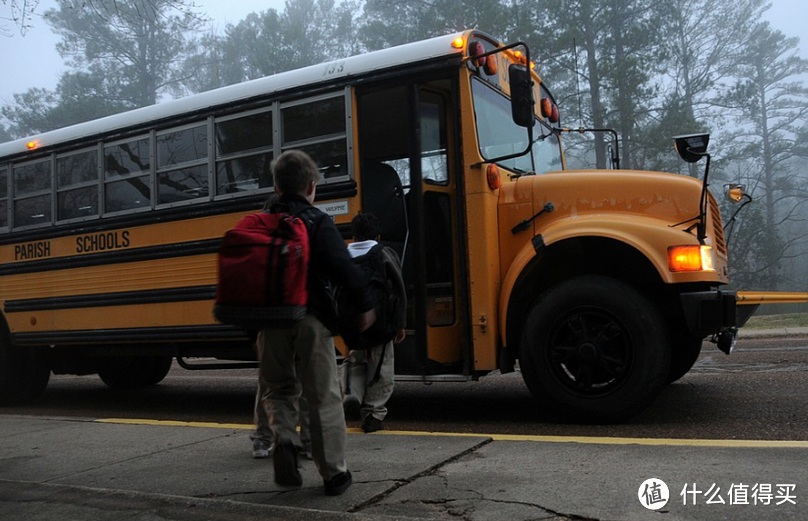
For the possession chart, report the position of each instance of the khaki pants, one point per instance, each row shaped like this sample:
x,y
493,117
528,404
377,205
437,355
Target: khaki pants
x,y
316,372
359,371
264,433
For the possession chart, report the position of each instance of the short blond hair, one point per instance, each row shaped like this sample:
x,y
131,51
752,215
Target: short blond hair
x,y
293,171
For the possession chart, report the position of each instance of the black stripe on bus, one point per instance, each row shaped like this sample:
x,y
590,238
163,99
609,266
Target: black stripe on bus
x,y
180,249
152,334
125,298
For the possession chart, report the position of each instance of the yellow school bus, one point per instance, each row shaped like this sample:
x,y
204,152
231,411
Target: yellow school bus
x,y
599,286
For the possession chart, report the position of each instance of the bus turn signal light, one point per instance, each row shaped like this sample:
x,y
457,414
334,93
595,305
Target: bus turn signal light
x,y
549,110
690,258
494,179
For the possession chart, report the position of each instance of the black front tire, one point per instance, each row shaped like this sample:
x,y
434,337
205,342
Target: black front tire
x,y
594,350
685,353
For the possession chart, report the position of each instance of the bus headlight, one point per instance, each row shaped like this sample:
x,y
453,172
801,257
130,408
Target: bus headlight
x,y
691,258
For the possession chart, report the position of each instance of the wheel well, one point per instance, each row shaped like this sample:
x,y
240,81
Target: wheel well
x,y
582,256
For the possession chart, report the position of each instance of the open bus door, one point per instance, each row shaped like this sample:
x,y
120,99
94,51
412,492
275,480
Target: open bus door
x,y
408,181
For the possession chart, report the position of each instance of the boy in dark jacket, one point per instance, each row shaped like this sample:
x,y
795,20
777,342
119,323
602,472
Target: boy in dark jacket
x,y
368,373
310,339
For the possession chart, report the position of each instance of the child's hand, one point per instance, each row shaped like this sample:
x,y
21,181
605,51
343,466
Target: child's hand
x,y
400,334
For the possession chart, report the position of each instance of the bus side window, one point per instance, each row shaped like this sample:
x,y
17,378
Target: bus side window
x,y
326,141
32,193
127,184
182,170
3,197
77,185
244,153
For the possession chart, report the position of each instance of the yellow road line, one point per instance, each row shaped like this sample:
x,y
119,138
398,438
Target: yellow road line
x,y
594,440
173,423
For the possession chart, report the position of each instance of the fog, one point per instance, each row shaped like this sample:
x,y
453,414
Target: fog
x,y
31,60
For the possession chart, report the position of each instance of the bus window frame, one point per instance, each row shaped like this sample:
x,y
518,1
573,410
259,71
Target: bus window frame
x,y
99,151
443,136
5,168
158,169
509,161
150,174
31,195
272,109
491,90
346,135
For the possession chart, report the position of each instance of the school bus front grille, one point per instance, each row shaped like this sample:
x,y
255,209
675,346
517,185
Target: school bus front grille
x,y
718,229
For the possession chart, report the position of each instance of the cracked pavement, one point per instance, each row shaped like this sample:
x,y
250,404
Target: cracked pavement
x,y
85,470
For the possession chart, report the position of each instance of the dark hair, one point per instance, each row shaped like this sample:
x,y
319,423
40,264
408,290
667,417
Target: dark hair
x,y
365,226
293,171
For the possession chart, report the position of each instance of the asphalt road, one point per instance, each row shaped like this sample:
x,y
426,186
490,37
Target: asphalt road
x,y
758,393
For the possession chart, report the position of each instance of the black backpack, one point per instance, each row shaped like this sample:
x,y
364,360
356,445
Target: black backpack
x,y
384,302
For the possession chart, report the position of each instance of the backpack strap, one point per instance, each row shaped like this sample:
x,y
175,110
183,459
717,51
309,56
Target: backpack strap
x,y
378,373
279,207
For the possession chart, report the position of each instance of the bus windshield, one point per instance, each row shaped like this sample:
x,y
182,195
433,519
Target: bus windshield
x,y
498,135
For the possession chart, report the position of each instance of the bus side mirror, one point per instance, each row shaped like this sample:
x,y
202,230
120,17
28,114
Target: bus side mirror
x,y
521,95
691,147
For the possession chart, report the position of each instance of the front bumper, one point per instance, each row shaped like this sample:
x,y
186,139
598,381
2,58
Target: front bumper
x,y
713,312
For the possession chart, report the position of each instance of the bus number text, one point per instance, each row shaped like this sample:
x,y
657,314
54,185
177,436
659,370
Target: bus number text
x,y
333,68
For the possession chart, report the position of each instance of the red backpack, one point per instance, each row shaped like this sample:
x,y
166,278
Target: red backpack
x,y
263,271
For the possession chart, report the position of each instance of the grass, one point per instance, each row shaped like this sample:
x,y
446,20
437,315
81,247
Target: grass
x,y
777,321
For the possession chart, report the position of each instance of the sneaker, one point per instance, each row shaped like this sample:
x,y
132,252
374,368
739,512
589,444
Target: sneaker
x,y
338,484
262,450
352,407
287,473
372,424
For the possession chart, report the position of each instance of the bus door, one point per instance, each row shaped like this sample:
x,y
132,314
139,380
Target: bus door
x,y
408,179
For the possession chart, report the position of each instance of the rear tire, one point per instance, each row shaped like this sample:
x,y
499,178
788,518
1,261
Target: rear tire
x,y
594,350
24,371
133,372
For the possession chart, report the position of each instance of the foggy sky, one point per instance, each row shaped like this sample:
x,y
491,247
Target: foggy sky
x,y
32,61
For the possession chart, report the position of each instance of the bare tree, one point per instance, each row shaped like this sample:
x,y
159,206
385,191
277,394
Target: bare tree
x,y
134,45
771,106
306,32
21,12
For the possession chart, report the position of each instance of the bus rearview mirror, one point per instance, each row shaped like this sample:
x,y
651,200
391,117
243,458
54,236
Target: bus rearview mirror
x,y
521,95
